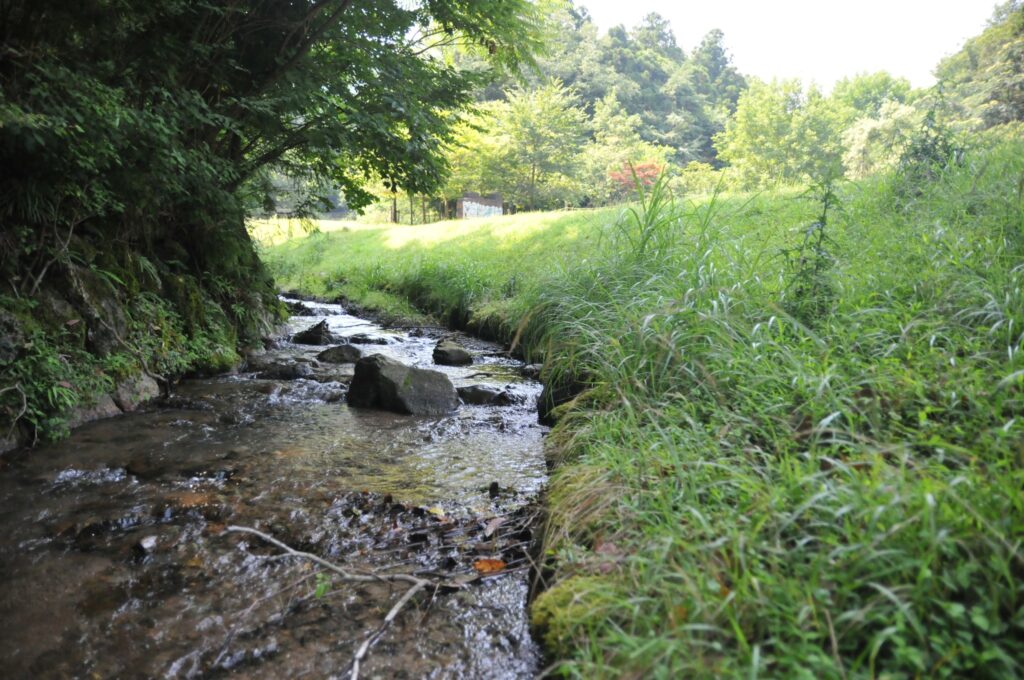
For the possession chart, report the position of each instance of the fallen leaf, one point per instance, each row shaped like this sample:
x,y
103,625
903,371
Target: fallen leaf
x,y
194,563
436,511
188,500
607,548
679,615
488,566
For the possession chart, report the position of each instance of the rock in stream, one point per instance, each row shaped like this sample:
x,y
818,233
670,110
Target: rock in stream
x,y
381,382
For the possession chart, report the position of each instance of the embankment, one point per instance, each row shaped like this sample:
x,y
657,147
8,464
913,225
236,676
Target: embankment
x,y
795,446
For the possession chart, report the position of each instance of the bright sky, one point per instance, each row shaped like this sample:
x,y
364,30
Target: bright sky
x,y
819,40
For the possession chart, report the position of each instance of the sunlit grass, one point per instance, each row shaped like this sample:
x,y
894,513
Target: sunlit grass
x,y
741,493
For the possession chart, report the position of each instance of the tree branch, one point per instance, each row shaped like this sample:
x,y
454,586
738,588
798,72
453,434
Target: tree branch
x,y
417,584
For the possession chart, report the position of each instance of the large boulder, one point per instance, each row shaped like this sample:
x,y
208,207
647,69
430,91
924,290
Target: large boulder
x,y
448,353
342,354
317,334
381,382
103,407
135,391
298,308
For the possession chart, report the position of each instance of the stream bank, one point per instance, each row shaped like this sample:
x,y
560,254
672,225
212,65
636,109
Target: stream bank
x,y
117,562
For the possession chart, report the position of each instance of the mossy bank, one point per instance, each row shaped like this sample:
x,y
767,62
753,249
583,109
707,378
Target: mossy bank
x,y
95,331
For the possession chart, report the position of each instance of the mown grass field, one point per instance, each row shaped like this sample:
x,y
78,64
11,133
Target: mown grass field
x,y
785,463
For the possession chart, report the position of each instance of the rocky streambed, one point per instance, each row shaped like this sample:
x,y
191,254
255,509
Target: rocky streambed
x,y
118,559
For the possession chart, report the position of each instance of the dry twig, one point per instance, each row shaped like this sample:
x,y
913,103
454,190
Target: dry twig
x,y
416,584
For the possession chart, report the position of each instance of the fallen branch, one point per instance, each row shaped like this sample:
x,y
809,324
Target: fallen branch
x,y
415,582
364,648
241,617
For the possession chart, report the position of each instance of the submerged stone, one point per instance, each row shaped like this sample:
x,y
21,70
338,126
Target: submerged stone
x,y
368,339
342,354
479,394
381,382
292,371
317,334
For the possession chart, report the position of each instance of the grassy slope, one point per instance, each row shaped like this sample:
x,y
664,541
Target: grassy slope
x,y
750,487
434,268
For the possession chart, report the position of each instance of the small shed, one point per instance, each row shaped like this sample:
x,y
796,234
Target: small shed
x,y
474,205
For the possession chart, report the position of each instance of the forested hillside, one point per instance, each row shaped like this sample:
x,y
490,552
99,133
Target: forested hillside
x,y
567,132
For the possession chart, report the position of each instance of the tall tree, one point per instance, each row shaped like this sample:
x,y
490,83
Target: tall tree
x,y
614,148
866,93
148,122
985,79
542,131
780,134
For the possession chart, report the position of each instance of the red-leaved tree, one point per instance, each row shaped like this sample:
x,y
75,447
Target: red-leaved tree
x,y
630,175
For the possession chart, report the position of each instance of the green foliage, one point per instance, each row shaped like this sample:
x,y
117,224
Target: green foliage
x,y
527,148
648,232
809,293
781,134
47,380
616,145
741,493
134,136
931,149
985,79
876,143
681,100
323,585
866,93
541,133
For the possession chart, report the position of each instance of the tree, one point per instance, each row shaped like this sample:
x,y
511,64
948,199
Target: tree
x,y
780,134
876,143
542,131
714,77
615,146
150,124
865,94
985,79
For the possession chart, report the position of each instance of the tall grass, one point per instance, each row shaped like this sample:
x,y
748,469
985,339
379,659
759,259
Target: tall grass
x,y
749,491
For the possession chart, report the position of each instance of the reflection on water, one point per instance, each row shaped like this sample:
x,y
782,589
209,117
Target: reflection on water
x,y
114,559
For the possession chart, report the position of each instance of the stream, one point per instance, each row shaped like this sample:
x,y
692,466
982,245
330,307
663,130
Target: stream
x,y
116,559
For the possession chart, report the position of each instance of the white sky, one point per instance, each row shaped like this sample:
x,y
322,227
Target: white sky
x,y
819,40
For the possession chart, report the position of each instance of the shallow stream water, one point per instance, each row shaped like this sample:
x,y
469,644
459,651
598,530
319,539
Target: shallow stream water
x,y
115,560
